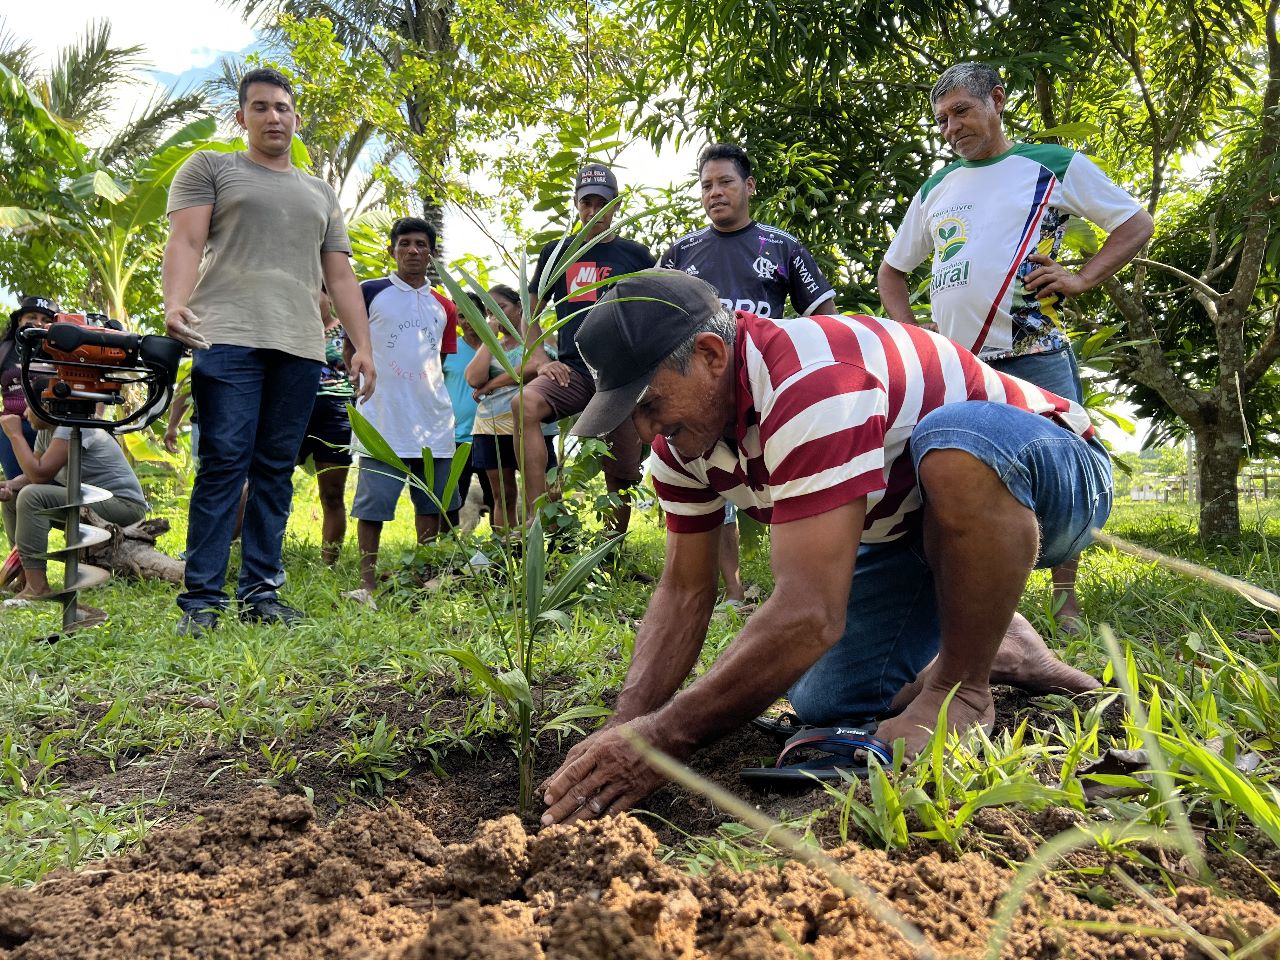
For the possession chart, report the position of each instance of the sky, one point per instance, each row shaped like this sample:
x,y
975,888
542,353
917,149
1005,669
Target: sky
x,y
178,38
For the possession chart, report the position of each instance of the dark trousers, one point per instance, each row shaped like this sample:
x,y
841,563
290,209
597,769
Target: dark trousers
x,y
254,406
8,461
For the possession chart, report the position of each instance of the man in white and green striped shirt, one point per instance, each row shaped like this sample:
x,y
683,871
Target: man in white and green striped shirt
x,y
992,223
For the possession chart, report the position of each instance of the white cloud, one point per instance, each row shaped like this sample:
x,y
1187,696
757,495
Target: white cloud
x,y
636,165
176,36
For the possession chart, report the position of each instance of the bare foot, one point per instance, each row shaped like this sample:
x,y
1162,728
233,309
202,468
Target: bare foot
x,y
971,706
26,593
1071,626
1025,662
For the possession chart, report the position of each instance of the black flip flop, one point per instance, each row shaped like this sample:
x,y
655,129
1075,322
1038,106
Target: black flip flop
x,y
784,726
838,749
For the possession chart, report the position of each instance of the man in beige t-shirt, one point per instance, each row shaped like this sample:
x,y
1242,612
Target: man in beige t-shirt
x,y
251,240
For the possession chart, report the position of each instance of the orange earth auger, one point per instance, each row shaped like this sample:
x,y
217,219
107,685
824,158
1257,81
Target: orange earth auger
x,y
74,374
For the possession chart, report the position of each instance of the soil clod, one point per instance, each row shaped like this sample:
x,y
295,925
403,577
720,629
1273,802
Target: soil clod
x,y
263,879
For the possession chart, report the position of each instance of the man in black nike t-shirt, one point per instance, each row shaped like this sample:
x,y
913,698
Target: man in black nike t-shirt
x,y
563,386
753,266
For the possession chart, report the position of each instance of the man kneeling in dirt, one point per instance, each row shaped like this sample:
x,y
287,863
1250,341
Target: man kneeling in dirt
x,y
866,444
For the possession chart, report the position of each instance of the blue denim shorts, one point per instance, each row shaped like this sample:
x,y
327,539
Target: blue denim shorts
x,y
892,629
379,487
1054,370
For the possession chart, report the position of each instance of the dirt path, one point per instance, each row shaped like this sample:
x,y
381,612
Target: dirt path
x,y
263,880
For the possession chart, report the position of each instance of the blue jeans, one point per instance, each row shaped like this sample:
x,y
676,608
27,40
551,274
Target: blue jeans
x,y
8,462
253,417
1054,370
892,629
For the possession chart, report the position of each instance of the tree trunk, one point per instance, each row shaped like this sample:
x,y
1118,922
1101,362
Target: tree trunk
x,y
433,213
1218,454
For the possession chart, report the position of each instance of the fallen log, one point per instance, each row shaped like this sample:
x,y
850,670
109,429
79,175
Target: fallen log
x,y
131,551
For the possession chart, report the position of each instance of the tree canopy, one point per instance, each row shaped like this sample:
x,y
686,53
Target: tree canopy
x,y
1176,100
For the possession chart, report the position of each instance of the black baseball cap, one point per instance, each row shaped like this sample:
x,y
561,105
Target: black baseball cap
x,y
595,179
36,305
629,332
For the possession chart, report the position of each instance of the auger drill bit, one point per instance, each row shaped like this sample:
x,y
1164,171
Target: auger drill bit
x,y
76,576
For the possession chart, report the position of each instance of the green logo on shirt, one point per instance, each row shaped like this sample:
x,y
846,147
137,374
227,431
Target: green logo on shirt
x,y
951,238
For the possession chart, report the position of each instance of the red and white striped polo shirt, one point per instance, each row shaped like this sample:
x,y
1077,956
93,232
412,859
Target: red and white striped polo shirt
x,y
826,406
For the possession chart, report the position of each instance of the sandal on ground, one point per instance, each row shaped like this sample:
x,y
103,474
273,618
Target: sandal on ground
x,y
784,726
823,754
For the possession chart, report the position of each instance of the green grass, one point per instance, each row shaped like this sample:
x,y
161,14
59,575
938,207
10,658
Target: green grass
x,y
352,701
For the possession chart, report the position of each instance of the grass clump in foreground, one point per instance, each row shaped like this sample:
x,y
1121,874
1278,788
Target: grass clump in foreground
x,y
358,702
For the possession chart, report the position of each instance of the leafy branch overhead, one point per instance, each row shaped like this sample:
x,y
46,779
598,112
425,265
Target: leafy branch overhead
x,y
488,105
81,206
1176,100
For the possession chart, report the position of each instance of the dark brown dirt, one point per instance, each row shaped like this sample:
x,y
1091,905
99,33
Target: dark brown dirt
x,y
466,789
484,786
450,794
263,879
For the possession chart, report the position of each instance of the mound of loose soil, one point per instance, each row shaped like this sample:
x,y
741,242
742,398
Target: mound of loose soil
x,y
262,879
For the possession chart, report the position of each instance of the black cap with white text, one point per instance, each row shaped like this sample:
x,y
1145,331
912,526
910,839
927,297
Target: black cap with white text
x,y
595,179
629,332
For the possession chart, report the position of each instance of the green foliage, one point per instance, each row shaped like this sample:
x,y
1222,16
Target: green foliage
x,y
78,223
516,93
831,100
110,224
535,600
372,760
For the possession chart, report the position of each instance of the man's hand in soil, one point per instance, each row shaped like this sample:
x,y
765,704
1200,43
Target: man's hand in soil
x,y
603,775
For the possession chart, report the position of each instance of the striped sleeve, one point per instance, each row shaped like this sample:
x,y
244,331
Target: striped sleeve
x,y
823,436
689,502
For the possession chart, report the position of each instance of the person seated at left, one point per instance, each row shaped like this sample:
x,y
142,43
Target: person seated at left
x,y
42,486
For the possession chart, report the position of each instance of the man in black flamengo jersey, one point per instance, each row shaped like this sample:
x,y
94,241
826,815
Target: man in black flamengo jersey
x,y
754,267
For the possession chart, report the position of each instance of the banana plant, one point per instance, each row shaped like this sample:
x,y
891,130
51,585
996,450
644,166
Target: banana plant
x,y
536,603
